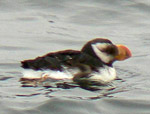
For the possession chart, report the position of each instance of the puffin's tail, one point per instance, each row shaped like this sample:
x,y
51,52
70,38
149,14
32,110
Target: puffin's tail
x,y
27,64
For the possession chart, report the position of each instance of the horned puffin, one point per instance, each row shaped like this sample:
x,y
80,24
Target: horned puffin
x,y
93,62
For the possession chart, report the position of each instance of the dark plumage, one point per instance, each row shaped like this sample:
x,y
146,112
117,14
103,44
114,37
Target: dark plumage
x,y
57,60
71,58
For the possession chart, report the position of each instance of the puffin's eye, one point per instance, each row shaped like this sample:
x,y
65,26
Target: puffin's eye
x,y
110,50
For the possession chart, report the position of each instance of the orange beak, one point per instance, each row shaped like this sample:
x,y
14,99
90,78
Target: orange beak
x,y
123,53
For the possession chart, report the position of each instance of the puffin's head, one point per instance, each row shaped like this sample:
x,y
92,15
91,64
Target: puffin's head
x,y
106,51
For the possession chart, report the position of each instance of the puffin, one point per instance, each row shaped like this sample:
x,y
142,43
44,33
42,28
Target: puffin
x,y
94,62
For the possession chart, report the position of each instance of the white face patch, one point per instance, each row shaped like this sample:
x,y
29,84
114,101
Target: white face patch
x,y
102,55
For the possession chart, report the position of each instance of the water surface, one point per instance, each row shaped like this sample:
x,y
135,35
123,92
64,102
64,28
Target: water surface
x,y
33,28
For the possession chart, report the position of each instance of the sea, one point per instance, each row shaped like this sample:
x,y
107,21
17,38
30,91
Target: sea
x,y
32,28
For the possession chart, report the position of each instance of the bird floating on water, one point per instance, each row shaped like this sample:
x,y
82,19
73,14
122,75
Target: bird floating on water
x,y
93,62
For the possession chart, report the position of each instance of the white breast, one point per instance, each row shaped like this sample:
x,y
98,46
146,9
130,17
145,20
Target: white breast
x,y
105,74
58,75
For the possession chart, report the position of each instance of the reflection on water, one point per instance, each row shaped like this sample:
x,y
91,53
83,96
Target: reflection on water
x,y
4,78
32,28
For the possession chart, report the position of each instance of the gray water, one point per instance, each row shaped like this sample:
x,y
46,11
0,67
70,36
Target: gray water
x,y
31,28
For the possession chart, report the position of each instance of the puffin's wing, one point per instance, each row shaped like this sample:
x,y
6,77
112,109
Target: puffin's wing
x,y
54,61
